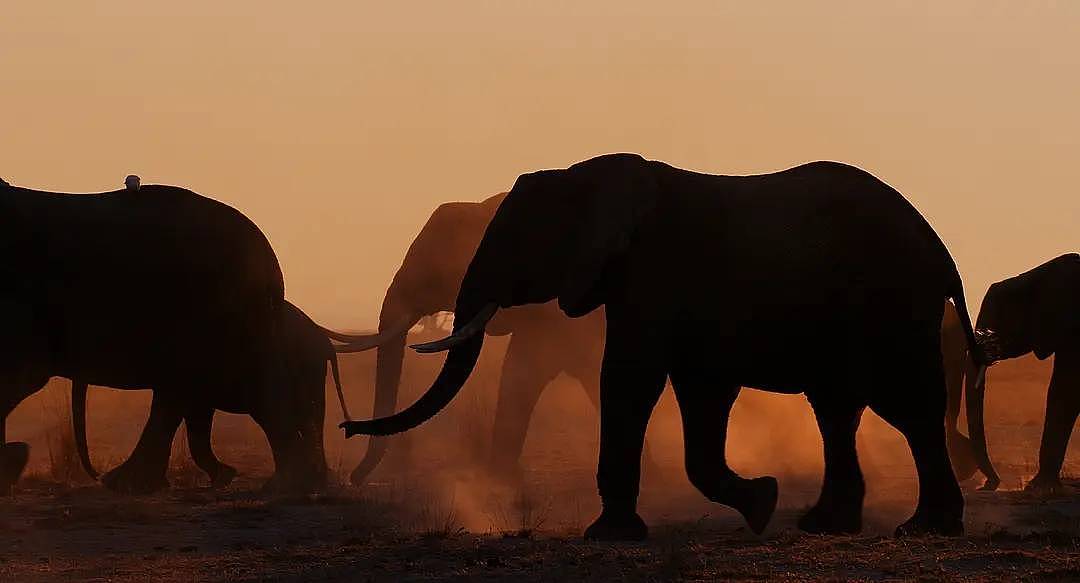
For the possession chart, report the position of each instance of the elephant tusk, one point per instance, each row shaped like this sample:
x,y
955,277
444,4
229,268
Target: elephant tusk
x,y
472,328
990,342
362,342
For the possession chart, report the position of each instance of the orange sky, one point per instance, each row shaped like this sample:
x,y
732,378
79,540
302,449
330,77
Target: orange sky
x,y
338,126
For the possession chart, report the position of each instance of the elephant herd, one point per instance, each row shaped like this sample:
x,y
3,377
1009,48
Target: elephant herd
x,y
826,277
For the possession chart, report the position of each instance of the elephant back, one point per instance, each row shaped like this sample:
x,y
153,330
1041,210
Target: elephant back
x,y
149,274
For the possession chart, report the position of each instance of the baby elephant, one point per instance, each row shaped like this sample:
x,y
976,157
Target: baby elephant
x,y
1036,311
292,418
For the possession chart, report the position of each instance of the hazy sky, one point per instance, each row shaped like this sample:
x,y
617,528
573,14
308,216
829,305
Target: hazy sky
x,y
338,126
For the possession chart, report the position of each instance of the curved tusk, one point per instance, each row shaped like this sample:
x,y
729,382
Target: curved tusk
x,y
472,328
990,343
362,342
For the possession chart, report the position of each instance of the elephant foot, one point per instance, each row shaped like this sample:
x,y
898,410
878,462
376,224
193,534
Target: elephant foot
x,y
1044,486
757,501
135,478
931,523
822,519
617,526
990,484
13,458
222,476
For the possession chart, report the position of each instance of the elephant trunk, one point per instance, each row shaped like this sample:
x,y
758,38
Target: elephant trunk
x,y
976,398
395,319
78,421
469,317
387,381
456,370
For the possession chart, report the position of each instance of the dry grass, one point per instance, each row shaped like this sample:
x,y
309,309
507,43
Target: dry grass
x,y
523,513
436,518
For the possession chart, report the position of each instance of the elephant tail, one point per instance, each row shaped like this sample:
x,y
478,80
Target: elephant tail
x,y
78,421
975,388
955,292
336,374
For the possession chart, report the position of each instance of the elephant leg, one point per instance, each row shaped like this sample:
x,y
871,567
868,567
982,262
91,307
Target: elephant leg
x,y
295,435
630,385
144,472
199,427
294,472
913,401
13,457
1062,408
14,454
525,375
283,447
839,507
589,382
705,407
312,454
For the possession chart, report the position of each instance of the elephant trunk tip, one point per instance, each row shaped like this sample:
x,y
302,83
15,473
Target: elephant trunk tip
x,y
354,428
350,428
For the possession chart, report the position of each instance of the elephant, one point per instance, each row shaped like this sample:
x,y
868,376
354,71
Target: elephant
x,y
156,287
1033,312
308,347
543,342
811,263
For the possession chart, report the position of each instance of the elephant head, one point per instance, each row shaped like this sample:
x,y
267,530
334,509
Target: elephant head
x,y
1032,312
425,284
559,234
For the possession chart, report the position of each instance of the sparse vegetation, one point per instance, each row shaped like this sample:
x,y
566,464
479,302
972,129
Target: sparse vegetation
x,y
437,518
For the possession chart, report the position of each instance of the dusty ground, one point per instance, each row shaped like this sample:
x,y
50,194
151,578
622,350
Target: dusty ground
x,y
428,514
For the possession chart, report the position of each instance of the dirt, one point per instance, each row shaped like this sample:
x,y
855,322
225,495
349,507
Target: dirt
x,y
429,513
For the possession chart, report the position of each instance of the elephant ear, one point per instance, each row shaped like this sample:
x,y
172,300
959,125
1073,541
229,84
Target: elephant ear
x,y
1053,302
616,192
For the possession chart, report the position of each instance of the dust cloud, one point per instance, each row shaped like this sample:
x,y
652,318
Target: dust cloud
x,y
438,471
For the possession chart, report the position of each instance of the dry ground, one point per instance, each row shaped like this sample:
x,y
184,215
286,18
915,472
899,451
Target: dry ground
x,y
428,514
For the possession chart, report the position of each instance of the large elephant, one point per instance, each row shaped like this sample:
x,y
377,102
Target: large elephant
x,y
307,349
834,287
1035,311
543,342
157,287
